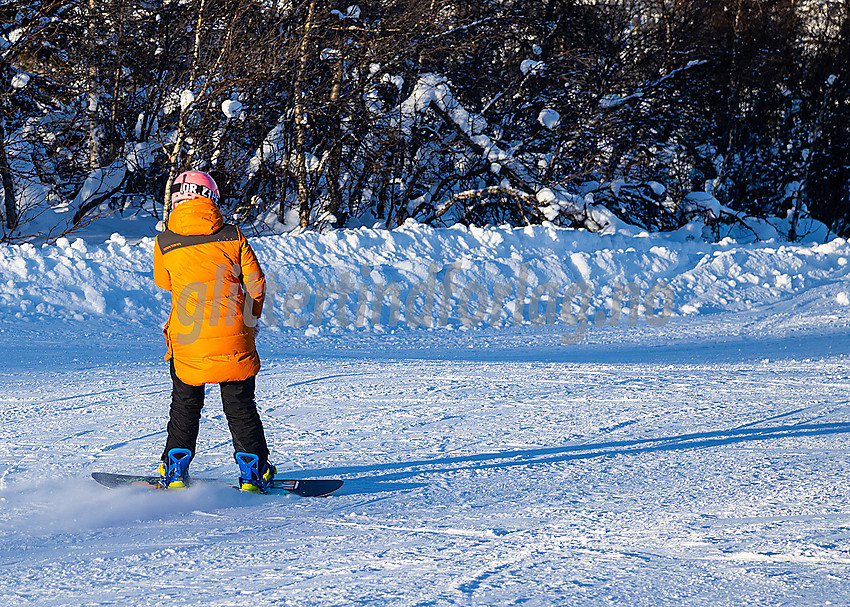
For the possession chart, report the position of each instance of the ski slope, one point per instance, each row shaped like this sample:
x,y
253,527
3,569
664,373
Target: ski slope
x,y
701,462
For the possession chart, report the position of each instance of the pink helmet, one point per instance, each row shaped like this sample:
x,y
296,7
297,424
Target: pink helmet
x,y
193,184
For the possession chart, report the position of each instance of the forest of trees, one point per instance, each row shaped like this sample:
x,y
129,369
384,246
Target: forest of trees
x,y
318,114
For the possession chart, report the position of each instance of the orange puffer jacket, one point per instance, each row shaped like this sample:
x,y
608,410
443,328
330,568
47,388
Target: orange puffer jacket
x,y
209,267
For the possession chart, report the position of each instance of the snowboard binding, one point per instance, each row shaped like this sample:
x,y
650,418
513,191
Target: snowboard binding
x,y
174,473
250,477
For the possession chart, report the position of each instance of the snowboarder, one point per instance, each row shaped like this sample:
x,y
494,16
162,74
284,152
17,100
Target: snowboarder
x,y
217,289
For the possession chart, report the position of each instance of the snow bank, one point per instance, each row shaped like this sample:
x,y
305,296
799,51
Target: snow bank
x,y
417,276
77,281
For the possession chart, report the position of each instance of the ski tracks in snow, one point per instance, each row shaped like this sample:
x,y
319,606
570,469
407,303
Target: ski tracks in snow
x,y
468,481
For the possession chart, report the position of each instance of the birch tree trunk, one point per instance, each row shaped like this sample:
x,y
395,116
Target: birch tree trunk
x,y
301,120
335,155
92,85
180,134
10,207
116,79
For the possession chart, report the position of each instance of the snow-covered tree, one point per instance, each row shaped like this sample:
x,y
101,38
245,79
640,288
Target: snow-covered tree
x,y
315,114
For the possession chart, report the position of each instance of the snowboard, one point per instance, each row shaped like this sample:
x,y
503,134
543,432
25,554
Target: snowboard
x,y
302,487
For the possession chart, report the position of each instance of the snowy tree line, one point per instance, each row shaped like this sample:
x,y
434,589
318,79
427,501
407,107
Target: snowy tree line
x,y
724,114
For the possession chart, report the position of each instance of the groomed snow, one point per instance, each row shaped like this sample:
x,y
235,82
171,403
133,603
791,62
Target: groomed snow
x,y
701,461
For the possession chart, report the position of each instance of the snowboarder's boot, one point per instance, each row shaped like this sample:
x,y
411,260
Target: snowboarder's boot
x,y
174,474
250,476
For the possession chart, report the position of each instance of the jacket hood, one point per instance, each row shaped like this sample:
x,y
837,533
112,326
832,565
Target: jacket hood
x,y
195,217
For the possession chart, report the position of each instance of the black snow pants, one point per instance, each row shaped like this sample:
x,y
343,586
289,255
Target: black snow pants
x,y
237,399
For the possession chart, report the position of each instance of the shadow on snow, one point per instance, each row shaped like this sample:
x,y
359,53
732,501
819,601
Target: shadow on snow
x,y
401,476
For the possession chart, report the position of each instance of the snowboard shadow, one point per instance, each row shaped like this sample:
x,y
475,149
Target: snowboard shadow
x,y
400,476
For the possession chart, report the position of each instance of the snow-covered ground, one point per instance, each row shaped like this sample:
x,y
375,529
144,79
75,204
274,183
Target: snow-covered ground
x,y
702,461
